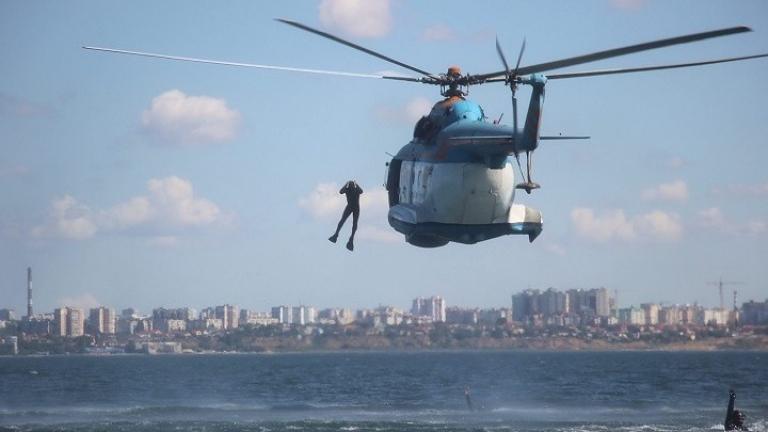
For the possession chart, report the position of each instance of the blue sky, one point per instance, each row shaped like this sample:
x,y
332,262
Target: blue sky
x,y
127,181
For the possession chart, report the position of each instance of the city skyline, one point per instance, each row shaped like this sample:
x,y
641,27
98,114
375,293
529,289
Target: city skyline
x,y
132,181
434,306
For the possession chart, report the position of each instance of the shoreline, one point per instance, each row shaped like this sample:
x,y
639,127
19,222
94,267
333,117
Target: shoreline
x,y
694,349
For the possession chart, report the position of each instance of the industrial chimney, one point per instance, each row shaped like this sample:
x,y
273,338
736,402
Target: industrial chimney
x,y
29,293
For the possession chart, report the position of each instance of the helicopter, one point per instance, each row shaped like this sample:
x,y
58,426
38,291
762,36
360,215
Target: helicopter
x,y
455,180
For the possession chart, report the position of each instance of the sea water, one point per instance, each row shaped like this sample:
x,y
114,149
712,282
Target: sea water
x,y
390,391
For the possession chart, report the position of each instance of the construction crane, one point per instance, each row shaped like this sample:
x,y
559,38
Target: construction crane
x,y
720,283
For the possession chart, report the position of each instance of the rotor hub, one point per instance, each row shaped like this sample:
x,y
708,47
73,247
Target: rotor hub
x,y
454,72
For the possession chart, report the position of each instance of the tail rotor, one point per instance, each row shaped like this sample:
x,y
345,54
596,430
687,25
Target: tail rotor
x,y
512,80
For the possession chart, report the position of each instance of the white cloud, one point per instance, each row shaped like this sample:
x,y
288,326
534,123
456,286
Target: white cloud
x,y
612,225
714,219
711,217
326,202
132,212
409,114
68,219
360,18
83,301
175,200
176,118
660,225
616,225
439,33
169,205
673,191
323,201
416,108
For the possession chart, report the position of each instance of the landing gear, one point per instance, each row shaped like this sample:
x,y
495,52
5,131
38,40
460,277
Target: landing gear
x,y
527,185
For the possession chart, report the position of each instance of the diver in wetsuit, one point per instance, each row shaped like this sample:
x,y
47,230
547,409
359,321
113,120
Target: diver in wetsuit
x,y
734,419
353,191
468,399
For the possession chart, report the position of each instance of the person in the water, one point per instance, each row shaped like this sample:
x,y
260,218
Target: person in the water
x,y
353,191
468,398
734,419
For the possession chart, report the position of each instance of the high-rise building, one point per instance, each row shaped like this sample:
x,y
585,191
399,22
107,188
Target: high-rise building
x,y
229,315
298,315
523,305
755,313
173,326
75,322
60,321
129,313
282,314
457,315
436,309
339,316
207,313
688,314
433,307
310,314
7,315
602,302
670,315
245,315
578,301
553,302
160,315
69,322
102,320
222,313
632,316
651,313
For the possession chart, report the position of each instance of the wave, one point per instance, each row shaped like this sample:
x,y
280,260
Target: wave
x,y
338,426
322,417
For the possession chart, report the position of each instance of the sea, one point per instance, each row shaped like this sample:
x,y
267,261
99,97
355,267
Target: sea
x,y
383,391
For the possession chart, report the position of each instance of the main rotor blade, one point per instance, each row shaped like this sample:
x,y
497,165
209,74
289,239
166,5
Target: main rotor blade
x,y
250,65
355,46
501,56
649,68
519,57
600,55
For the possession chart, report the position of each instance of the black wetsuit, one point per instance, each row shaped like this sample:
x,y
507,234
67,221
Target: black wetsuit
x,y
353,191
468,399
732,422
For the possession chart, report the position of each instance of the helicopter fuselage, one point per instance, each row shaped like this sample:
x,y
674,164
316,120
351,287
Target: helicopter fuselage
x,y
455,182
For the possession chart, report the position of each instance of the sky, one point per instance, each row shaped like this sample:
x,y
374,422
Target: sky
x,y
135,182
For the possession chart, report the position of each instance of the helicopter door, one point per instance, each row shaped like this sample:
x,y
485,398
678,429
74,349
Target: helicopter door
x,y
393,182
